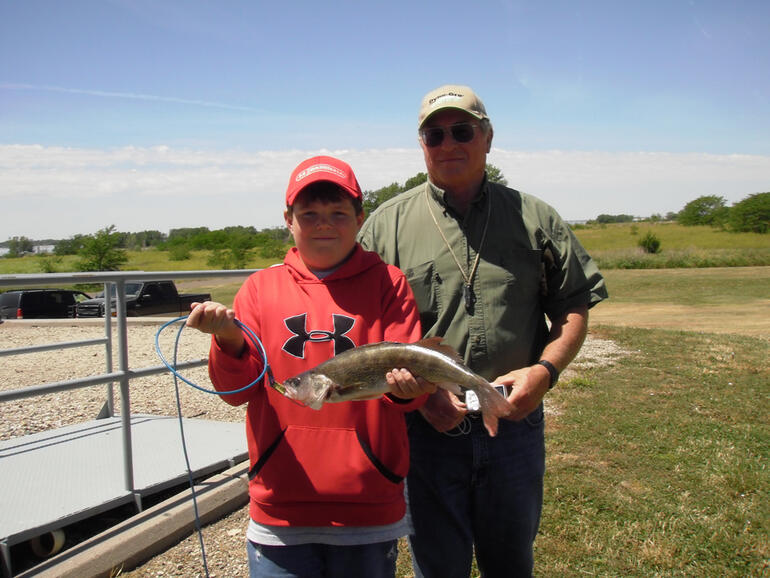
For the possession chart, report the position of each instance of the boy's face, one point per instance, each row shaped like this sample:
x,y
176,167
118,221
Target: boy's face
x,y
324,233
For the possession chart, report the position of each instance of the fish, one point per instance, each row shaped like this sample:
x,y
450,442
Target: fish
x,y
359,374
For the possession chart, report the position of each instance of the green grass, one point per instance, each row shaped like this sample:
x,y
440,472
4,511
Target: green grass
x,y
657,464
689,286
147,260
673,236
616,246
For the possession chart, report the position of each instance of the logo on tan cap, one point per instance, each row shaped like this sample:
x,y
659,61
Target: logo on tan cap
x,y
451,96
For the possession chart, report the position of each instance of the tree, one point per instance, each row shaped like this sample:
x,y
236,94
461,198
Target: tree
x,y
69,246
603,219
17,246
417,179
373,199
705,210
100,252
186,233
752,214
144,239
495,175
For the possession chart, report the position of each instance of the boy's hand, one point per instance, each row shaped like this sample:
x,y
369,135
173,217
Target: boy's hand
x,y
216,319
406,386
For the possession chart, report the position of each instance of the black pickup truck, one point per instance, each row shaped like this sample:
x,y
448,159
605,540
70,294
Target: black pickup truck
x,y
145,298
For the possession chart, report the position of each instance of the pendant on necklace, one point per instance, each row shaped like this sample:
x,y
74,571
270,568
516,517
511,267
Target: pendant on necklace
x,y
468,297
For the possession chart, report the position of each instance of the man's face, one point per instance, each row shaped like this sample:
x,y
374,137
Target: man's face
x,y
454,165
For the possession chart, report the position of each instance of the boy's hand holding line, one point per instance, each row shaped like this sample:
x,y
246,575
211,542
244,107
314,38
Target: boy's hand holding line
x,y
216,319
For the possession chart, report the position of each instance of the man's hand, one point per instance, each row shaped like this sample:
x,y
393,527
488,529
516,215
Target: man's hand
x,y
443,410
530,384
528,387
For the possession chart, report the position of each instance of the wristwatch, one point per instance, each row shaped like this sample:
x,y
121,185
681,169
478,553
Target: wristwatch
x,y
552,370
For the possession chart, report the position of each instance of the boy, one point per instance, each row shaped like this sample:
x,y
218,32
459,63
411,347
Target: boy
x,y
326,487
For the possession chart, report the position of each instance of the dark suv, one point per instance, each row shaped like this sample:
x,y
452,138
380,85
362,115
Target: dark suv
x,y
40,303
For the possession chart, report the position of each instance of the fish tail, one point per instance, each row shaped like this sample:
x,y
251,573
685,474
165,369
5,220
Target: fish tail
x,y
492,403
493,406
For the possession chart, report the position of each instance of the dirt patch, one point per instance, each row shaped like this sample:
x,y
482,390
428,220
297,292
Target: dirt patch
x,y
751,320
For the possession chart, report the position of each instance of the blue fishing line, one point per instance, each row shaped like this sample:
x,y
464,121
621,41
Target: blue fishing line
x,y
251,336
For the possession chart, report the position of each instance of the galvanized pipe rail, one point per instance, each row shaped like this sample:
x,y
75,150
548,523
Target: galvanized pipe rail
x,y
123,375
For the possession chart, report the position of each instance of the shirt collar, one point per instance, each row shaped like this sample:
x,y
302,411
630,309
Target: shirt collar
x,y
439,195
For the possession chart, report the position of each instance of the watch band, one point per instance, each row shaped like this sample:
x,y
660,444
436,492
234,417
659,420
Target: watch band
x,y
552,370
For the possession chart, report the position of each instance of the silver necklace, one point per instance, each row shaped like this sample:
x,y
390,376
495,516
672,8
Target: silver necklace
x,y
468,296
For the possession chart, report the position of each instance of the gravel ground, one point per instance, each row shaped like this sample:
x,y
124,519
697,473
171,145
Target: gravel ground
x,y
224,539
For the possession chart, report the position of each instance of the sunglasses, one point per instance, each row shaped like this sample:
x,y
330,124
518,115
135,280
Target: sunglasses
x,y
462,132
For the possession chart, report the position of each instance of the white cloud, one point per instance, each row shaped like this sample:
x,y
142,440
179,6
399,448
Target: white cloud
x,y
582,185
57,192
124,95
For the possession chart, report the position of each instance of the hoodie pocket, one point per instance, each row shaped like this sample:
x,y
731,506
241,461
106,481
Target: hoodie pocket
x,y
325,465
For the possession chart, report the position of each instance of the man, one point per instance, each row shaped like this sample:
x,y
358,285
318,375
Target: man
x,y
488,265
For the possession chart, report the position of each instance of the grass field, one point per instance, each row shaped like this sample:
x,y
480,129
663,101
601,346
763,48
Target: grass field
x,y
616,246
673,236
657,464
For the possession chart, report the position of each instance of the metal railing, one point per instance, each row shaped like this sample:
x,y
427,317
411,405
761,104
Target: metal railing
x,y
124,374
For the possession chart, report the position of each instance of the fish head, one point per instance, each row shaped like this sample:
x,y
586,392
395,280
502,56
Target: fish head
x,y
309,388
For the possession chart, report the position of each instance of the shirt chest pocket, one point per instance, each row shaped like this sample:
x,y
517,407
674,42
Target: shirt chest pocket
x,y
426,286
515,280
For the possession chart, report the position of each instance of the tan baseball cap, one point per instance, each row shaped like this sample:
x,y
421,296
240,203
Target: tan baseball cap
x,y
451,96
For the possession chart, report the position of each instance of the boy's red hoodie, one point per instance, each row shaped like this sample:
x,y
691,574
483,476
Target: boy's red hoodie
x,y
343,464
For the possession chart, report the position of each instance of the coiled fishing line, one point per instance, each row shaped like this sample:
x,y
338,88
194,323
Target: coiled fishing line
x,y
247,331
252,337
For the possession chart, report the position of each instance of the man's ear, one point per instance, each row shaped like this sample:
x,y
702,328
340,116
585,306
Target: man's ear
x,y
489,138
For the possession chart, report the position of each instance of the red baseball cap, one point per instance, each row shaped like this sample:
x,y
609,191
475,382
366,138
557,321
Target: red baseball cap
x,y
322,168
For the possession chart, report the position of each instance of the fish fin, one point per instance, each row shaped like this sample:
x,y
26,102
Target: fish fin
x,y
490,422
436,343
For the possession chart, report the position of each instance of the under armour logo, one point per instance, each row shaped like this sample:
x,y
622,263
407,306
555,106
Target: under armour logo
x,y
295,345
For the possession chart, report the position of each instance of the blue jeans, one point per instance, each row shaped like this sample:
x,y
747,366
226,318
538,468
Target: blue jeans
x,y
471,491
322,560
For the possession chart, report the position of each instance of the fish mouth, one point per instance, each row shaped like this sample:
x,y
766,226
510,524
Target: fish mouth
x,y
288,392
280,388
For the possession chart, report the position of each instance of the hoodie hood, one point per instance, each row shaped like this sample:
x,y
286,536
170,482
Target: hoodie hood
x,y
358,262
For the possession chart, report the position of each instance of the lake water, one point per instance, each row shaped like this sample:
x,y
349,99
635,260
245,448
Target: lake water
x,y
36,249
